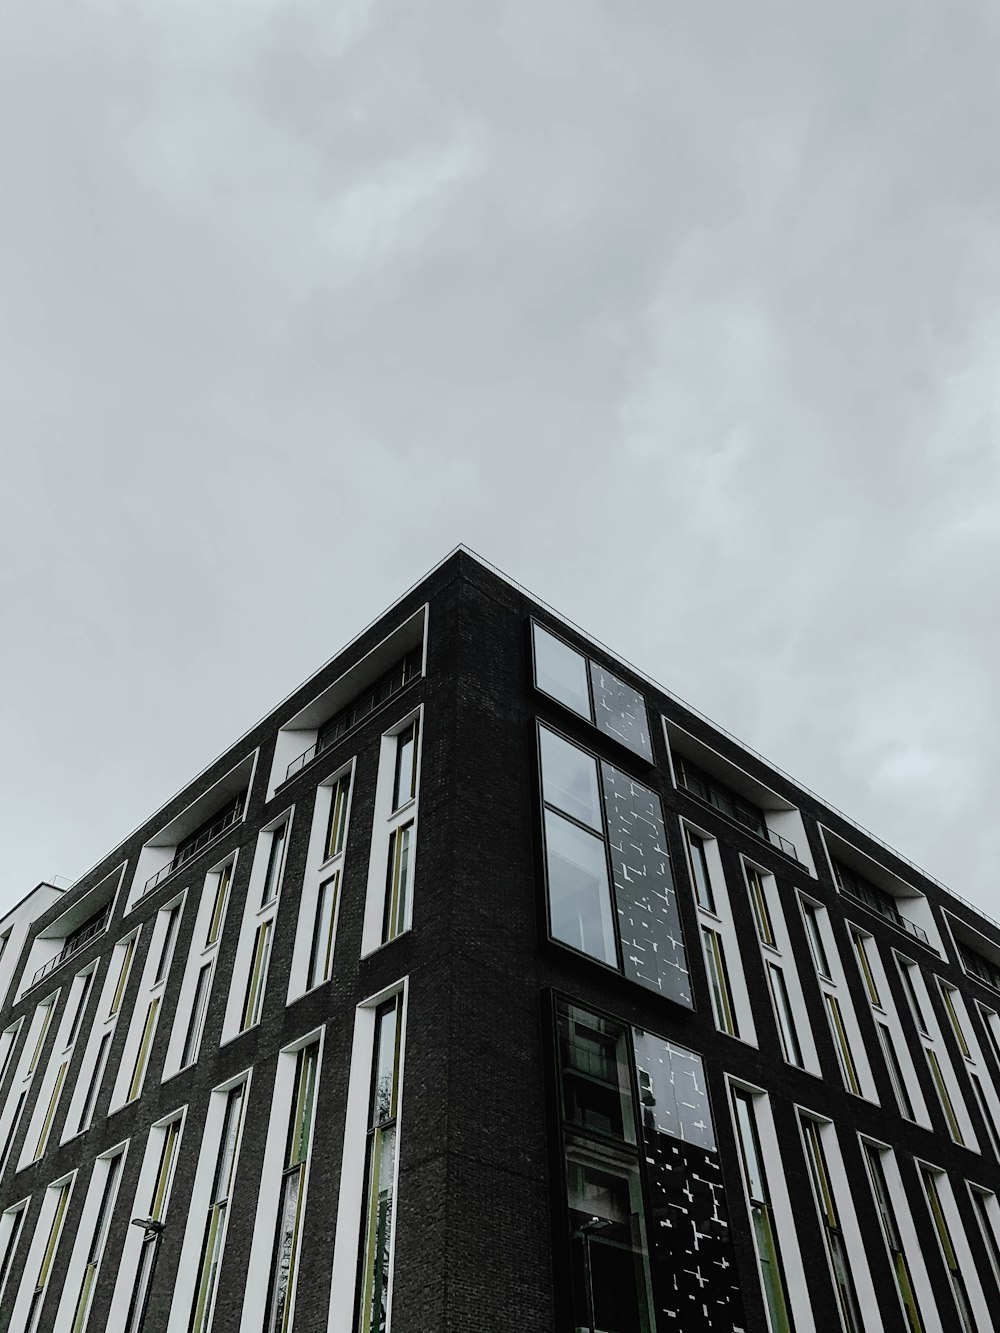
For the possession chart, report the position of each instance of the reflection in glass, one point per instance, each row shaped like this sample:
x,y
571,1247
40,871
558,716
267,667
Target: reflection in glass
x,y
381,1163
765,1242
579,895
215,1227
286,1243
611,1284
594,1064
569,779
561,672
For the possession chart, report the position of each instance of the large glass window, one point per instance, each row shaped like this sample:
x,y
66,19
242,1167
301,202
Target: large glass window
x,y
765,1240
570,781
215,1226
561,672
286,1241
595,1079
836,1248
611,1267
379,1213
890,1233
579,891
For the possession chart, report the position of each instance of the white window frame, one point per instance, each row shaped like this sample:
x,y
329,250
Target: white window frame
x,y
385,822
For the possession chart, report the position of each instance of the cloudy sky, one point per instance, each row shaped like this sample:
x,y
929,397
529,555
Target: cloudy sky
x,y
687,316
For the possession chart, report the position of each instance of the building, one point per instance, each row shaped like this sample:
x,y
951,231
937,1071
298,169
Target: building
x,y
484,987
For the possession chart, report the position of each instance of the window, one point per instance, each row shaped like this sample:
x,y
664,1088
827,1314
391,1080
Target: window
x,y
895,1072
758,902
196,1022
591,691
890,1234
142,1055
715,793
944,1097
405,670
167,947
337,826
215,1226
253,1003
783,1015
50,1110
907,971
127,952
984,1204
836,1249
860,943
845,1059
81,1005
875,898
989,1121
48,1009
286,1241
811,919
12,1223
169,1136
9,1039
765,1241
958,1287
275,860
398,883
723,1010
595,816
380,1170
404,783
45,1268
594,1082
321,951
219,905
948,995
93,1087
111,1167
700,876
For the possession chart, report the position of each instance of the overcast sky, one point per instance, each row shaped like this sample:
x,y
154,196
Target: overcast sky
x,y
686,315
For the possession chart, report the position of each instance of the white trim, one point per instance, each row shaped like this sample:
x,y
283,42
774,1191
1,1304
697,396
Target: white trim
x,y
385,822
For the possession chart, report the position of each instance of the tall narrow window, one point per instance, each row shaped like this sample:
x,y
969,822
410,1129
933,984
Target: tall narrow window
x,y
404,784
783,1013
723,1009
948,995
380,1170
215,1226
16,1216
126,963
845,1059
47,1011
50,1110
397,897
765,1242
699,870
985,1112
958,1288
286,1241
758,901
337,826
12,1129
156,1213
196,1022
94,1086
321,951
275,858
98,1235
944,1097
890,1233
45,1268
167,947
810,916
907,971
836,1249
981,1200
142,1054
219,905
253,1003
860,943
81,1005
9,1038
895,1072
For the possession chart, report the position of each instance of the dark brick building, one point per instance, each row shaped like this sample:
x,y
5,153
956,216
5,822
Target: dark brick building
x,y
483,987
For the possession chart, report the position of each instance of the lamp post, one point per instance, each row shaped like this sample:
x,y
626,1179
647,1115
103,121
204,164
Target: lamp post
x,y
584,1233
152,1233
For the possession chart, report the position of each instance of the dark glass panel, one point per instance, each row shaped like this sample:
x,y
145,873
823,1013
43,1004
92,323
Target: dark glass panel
x,y
620,711
579,894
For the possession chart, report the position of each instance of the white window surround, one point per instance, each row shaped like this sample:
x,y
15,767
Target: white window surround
x,y
254,916
385,821
922,1289
721,921
149,990
199,954
844,1191
799,1298
8,1221
933,1040
911,904
991,1024
991,1206
347,1237
974,1061
318,871
39,1240
24,1076
258,1277
128,1262
73,1280
104,1023
189,1267
301,730
8,1041
780,815
984,1312
158,851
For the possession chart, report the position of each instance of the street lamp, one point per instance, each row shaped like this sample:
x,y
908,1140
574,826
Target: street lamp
x,y
152,1230
584,1233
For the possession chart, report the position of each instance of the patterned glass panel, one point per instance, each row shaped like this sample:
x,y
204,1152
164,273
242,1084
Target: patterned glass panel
x,y
620,711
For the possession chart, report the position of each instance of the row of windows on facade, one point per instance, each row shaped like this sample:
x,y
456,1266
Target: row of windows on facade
x,y
129,1264
639,1145
625,921
316,933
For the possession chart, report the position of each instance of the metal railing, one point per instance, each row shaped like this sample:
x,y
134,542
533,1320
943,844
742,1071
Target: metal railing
x,y
874,904
216,830
738,814
77,942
